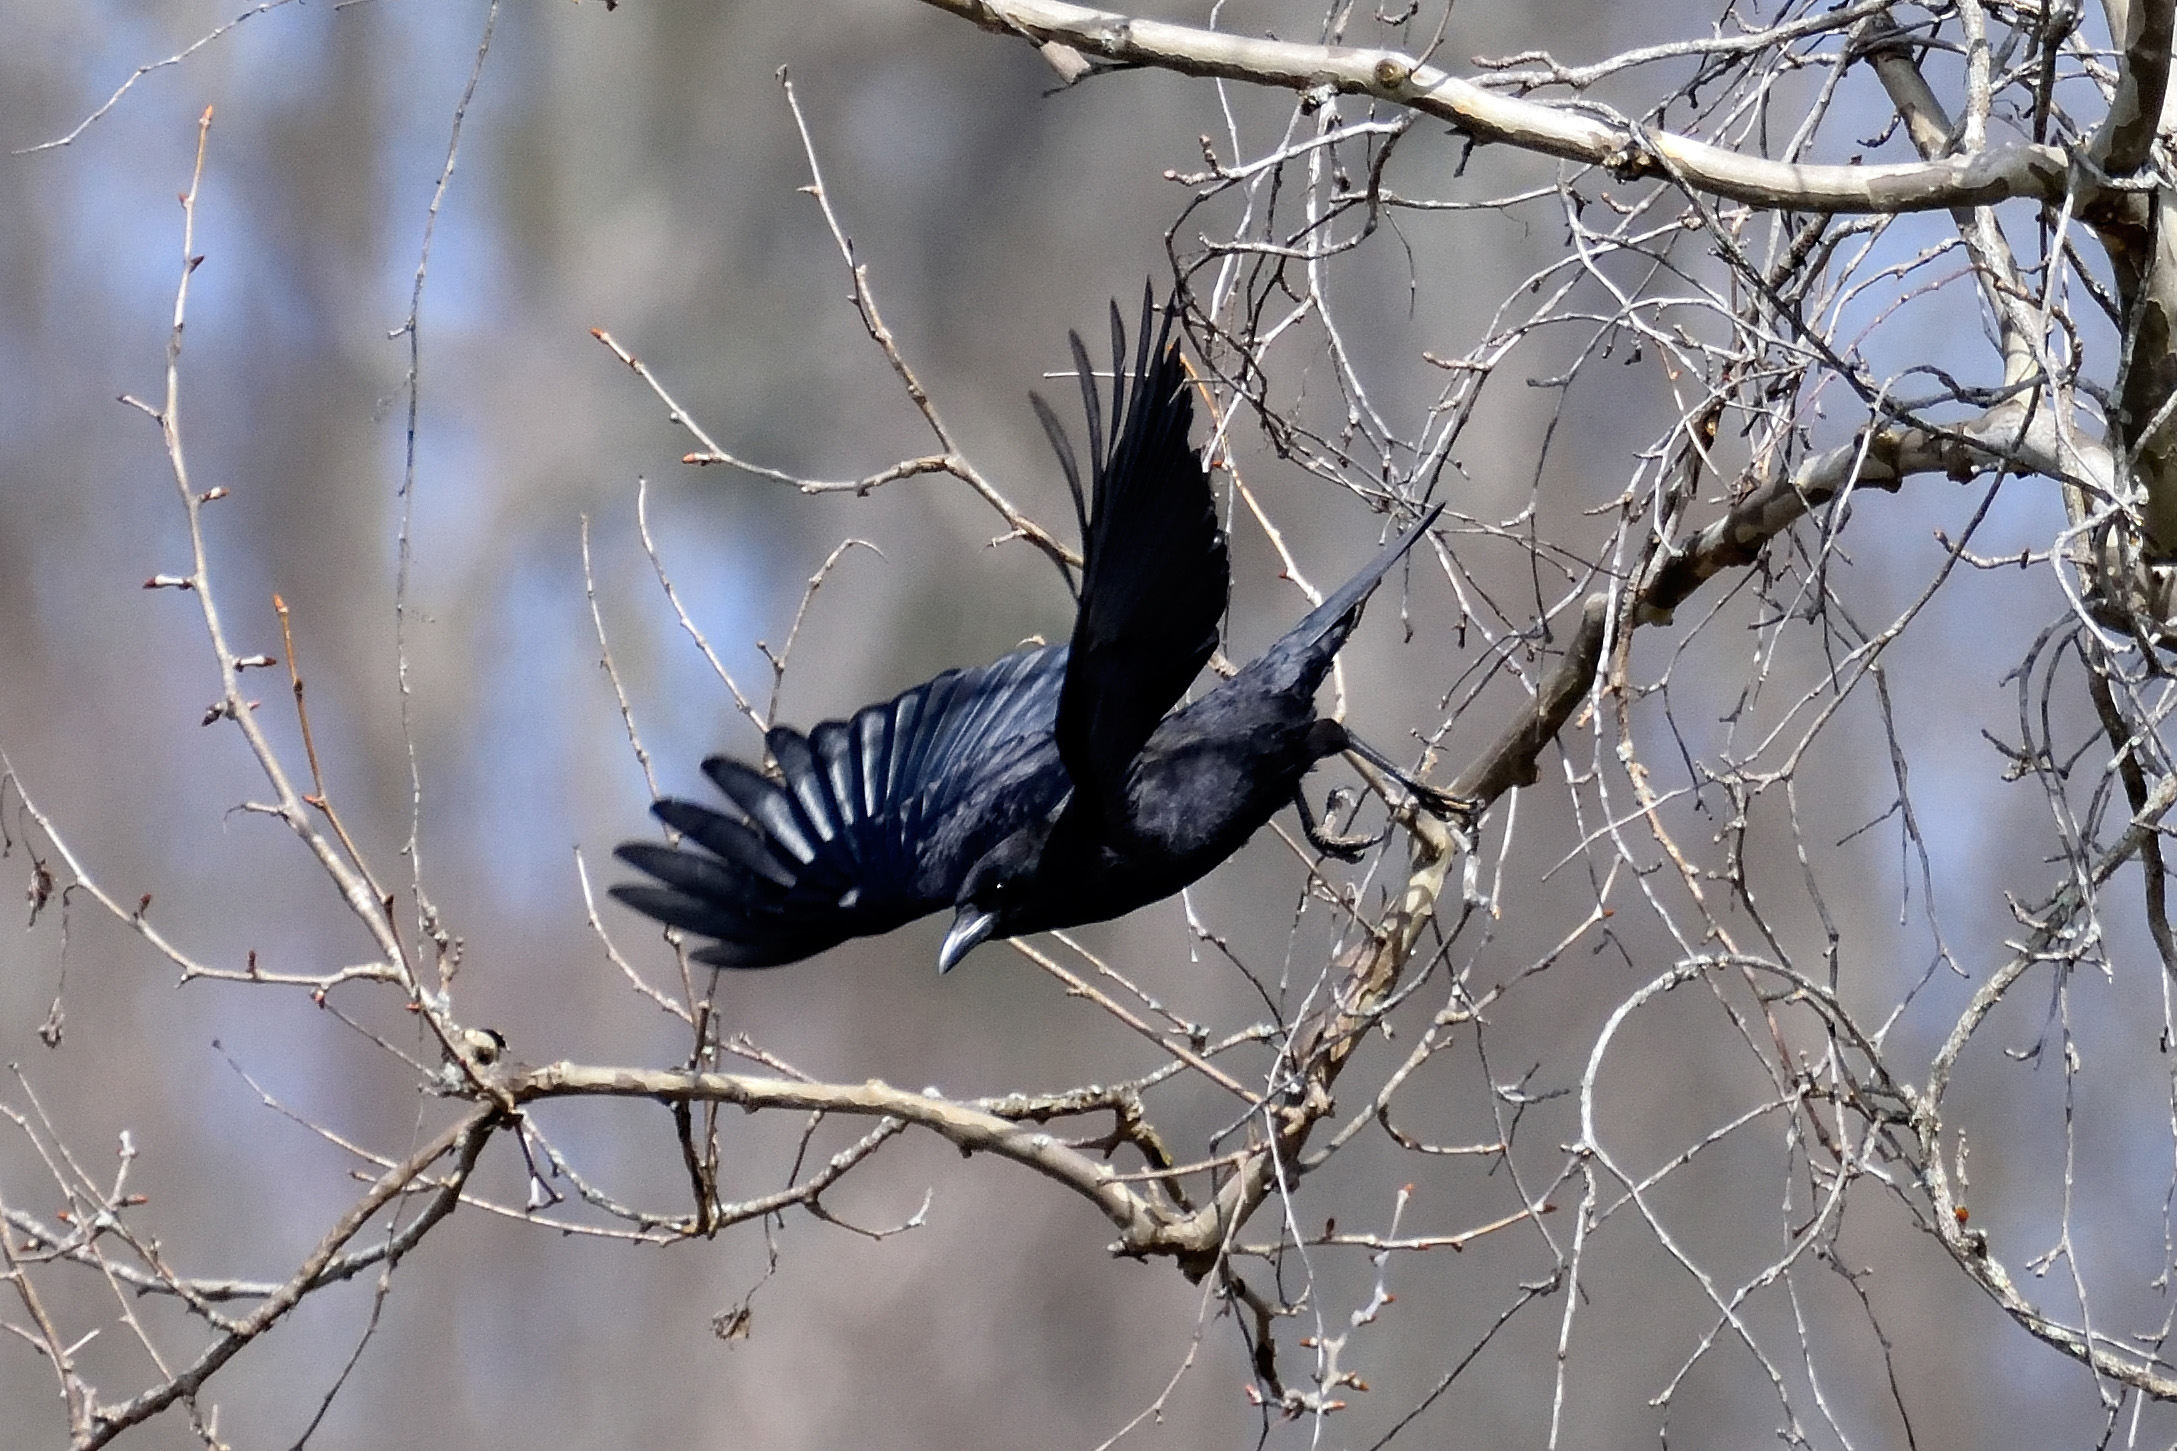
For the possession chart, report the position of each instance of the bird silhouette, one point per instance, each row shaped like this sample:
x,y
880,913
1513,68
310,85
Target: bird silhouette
x,y
1056,785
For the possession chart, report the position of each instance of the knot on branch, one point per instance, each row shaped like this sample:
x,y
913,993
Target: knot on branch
x,y
1631,159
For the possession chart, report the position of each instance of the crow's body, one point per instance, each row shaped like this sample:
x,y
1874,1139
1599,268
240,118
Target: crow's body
x,y
1209,776
1055,785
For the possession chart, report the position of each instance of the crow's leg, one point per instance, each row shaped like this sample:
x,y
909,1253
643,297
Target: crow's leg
x,y
1344,848
1437,803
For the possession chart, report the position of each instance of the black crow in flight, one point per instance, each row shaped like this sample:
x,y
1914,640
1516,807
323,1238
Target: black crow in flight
x,y
1049,787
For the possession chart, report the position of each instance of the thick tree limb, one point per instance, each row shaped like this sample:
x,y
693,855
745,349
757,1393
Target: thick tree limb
x,y
1514,759
2142,425
2027,442
2141,239
1930,127
970,1127
2142,29
1995,174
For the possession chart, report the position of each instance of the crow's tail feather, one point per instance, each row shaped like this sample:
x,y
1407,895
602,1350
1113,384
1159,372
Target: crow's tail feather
x,y
1302,655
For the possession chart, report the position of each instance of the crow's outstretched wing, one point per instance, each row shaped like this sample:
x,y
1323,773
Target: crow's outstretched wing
x,y
873,823
1155,577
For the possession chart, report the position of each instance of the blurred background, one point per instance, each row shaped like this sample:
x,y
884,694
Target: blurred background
x,y
638,170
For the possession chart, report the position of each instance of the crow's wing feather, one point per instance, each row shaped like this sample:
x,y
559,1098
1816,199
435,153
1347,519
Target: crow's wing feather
x,y
873,821
1155,575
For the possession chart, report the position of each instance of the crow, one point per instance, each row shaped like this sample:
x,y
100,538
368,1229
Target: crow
x,y
1055,785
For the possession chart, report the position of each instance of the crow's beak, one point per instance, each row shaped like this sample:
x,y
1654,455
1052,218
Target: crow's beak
x,y
970,925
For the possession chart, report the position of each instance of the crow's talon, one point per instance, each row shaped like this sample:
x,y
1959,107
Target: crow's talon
x,y
1344,848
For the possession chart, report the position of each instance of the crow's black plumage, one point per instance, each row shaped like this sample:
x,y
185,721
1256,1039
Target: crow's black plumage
x,y
1053,786
1206,779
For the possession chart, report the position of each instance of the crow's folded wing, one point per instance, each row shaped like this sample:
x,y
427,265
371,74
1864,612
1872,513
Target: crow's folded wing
x,y
873,822
1155,575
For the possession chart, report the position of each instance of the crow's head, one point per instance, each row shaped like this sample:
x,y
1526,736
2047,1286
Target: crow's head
x,y
998,895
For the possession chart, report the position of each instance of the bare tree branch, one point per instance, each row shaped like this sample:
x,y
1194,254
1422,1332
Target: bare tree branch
x,y
1627,152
